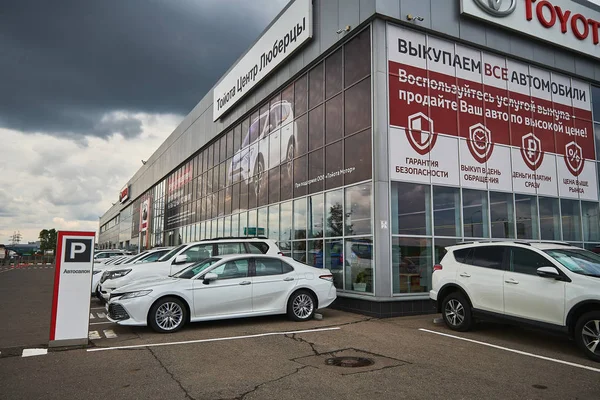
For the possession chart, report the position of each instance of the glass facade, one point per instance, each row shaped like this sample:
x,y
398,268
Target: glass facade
x,y
298,170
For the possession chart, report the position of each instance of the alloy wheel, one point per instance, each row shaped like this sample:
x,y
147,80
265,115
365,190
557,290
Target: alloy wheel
x,y
591,336
455,312
302,306
169,316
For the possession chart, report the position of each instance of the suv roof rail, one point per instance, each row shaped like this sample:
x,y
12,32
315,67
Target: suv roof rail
x,y
554,242
235,237
494,241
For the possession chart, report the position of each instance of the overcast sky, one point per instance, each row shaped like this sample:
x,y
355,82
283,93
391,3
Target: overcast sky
x,y
89,88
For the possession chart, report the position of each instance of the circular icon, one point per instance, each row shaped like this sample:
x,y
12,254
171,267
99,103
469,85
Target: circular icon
x,y
497,8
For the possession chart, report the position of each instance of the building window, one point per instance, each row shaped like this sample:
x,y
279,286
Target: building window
x,y
475,213
527,217
446,211
358,270
571,220
410,209
549,218
358,210
502,215
411,265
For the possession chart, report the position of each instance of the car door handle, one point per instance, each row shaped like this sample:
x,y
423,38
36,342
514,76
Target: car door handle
x,y
245,283
289,278
512,281
465,275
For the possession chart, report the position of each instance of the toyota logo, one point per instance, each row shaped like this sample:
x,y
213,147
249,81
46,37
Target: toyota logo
x,y
495,7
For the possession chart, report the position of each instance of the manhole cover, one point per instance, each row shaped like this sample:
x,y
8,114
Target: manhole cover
x,y
351,362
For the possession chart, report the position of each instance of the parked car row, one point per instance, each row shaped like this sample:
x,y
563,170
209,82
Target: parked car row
x,y
210,279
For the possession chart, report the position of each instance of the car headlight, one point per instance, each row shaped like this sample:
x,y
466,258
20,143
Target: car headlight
x,y
118,273
132,295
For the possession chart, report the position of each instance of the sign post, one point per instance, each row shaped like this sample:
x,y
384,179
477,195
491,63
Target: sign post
x,y
72,282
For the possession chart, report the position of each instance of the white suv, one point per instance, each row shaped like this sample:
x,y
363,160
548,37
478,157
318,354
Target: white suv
x,y
545,285
180,258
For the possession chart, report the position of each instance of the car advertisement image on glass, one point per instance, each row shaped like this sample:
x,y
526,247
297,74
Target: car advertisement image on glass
x,y
515,127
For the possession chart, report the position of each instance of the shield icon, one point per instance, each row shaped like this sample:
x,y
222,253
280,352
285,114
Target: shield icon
x,y
531,151
480,142
420,133
574,158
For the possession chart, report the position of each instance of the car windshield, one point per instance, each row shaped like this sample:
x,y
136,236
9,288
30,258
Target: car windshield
x,y
580,261
171,253
195,269
135,258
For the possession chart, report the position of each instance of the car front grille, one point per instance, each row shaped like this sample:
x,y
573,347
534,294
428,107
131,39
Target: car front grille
x,y
117,312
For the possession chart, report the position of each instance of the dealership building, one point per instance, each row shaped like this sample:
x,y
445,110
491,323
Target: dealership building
x,y
365,136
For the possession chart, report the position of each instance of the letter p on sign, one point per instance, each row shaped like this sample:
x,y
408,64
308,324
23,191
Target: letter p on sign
x,y
78,250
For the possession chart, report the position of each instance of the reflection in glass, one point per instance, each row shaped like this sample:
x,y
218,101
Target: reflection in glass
x,y
333,74
334,163
334,217
502,215
446,211
315,88
357,157
274,176
440,248
411,265
333,119
357,63
358,273
590,222
285,221
235,225
215,229
243,224
300,176
357,107
475,213
315,253
274,222
299,253
301,95
252,223
571,220
549,218
411,207
300,137
316,128
315,171
300,219
527,217
263,221
334,261
315,215
285,248
358,210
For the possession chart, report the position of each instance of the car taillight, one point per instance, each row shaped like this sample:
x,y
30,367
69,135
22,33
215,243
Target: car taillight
x,y
281,253
327,277
437,267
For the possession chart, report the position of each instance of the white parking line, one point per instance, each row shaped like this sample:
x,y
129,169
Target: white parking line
x,y
214,339
34,352
513,351
97,308
101,315
92,316
93,335
110,334
101,323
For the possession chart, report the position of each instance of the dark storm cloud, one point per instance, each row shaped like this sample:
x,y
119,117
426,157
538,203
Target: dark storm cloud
x,y
66,64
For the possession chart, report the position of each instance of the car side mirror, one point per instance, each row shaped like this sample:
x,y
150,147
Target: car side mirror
x,y
181,259
548,272
209,277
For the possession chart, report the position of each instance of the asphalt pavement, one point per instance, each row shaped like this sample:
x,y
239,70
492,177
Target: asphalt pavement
x,y
274,358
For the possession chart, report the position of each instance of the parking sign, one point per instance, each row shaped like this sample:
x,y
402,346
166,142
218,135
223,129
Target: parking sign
x,y
72,283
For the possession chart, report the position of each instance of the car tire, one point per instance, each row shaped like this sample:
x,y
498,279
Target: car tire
x,y
259,171
167,315
301,306
587,334
289,158
456,312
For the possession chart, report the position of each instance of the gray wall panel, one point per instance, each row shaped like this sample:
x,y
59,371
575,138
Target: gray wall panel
x,y
390,8
349,13
443,16
366,9
497,40
472,32
421,8
327,30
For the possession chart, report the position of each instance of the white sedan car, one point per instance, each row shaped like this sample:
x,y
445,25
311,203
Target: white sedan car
x,y
229,286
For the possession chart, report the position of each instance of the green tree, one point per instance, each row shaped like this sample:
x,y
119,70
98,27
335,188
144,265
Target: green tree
x,y
335,220
48,239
